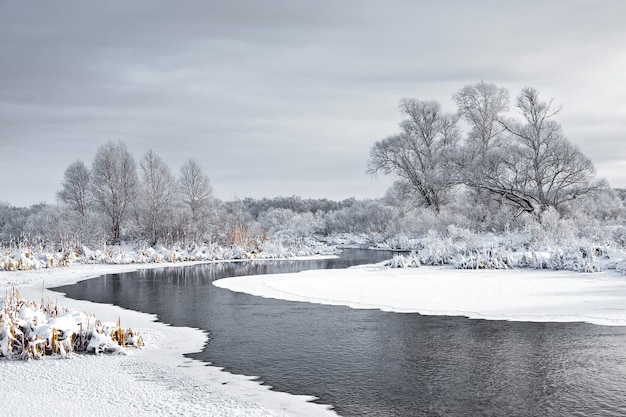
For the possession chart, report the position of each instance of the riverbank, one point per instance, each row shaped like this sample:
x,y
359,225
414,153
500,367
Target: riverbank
x,y
513,294
155,381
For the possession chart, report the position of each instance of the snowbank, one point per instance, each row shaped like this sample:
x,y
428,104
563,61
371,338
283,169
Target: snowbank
x,y
155,381
513,294
26,258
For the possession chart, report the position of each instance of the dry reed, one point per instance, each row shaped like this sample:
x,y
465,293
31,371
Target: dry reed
x,y
29,330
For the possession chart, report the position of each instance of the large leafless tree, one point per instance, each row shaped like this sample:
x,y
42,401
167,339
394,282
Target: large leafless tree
x,y
538,167
421,156
196,196
157,192
75,192
481,105
114,184
527,163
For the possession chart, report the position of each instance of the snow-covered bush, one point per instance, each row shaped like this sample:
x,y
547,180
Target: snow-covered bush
x,y
285,224
618,236
438,249
404,261
29,330
603,206
550,230
483,259
401,242
27,259
581,259
466,250
368,217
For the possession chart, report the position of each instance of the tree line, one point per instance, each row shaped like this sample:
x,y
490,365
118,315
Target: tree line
x,y
479,169
115,199
149,198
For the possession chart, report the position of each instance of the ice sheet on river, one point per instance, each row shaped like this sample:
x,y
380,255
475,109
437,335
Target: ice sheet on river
x,y
519,295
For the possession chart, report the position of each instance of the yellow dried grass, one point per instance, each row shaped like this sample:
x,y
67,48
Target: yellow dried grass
x,y
19,338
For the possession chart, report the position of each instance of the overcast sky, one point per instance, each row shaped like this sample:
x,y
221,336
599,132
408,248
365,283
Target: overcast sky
x,y
284,97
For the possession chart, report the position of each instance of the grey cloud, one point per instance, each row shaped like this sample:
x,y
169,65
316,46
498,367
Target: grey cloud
x,y
292,89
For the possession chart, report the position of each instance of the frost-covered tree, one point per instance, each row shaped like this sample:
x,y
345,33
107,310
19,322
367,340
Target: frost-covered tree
x,y
257,207
158,186
481,105
237,227
197,200
362,217
48,227
422,154
114,184
14,221
276,220
75,190
284,223
400,196
538,167
601,206
7,217
5,214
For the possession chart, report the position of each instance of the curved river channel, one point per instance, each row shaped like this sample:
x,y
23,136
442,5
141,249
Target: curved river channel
x,y
373,363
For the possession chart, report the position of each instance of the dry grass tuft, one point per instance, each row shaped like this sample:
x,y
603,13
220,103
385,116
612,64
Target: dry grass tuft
x,y
29,330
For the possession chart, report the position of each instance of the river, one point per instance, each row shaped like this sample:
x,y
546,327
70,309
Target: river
x,y
373,363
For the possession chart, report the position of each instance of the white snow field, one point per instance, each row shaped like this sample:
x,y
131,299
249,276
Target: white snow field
x,y
155,381
513,294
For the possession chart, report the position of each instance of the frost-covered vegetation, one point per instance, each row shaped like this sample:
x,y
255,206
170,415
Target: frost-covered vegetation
x,y
511,190
31,330
461,250
592,239
24,258
116,212
479,188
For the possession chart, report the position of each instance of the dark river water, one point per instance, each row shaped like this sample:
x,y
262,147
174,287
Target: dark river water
x,y
372,363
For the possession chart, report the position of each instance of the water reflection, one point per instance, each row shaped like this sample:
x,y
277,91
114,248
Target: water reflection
x,y
367,362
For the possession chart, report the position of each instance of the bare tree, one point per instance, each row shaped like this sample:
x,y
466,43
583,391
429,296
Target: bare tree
x,y
421,155
481,105
75,192
538,167
6,215
158,187
114,184
401,197
196,195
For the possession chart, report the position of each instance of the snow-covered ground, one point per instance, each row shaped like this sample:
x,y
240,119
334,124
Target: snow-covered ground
x,y
159,380
512,294
155,381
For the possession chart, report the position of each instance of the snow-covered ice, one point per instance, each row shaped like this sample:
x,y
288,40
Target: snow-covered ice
x,y
155,381
513,294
